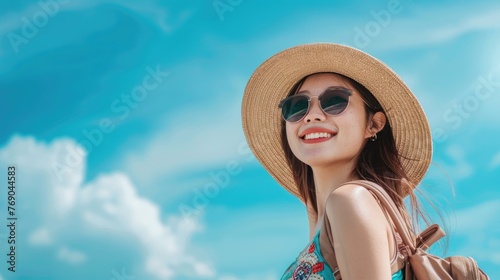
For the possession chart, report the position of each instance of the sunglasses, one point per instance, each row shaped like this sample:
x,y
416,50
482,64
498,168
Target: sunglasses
x,y
333,101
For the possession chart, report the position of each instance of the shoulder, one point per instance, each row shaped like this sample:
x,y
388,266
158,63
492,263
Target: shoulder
x,y
349,190
360,233
350,194
352,201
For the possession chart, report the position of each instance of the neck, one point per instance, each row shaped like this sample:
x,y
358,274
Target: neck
x,y
326,180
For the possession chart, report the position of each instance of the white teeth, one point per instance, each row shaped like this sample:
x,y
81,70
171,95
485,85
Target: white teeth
x,y
317,135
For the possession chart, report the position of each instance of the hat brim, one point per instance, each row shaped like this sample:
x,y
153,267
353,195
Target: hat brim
x,y
273,80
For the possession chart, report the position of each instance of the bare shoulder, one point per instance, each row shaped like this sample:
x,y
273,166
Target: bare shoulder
x,y
350,193
361,233
352,201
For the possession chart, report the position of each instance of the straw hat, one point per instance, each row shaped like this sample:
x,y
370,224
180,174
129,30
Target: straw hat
x,y
273,80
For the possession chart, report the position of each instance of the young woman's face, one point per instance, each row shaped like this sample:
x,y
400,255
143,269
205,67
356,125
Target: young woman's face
x,y
347,132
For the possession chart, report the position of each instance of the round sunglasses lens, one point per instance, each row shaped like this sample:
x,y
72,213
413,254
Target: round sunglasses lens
x,y
334,101
295,108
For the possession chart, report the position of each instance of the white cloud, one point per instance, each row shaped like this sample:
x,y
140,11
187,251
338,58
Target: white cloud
x,y
151,11
109,205
14,24
479,226
460,168
207,136
40,237
495,161
478,218
417,25
71,256
434,26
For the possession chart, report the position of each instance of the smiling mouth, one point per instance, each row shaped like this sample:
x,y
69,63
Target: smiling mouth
x,y
317,135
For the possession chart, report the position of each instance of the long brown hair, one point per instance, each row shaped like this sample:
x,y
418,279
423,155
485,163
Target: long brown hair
x,y
378,162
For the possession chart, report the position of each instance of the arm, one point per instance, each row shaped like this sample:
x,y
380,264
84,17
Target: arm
x,y
359,230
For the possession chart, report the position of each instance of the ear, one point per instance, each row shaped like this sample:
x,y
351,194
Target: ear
x,y
375,124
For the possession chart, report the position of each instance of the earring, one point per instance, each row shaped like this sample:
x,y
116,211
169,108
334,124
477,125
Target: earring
x,y
374,137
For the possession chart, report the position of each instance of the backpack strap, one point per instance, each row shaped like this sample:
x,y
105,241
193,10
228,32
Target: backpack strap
x,y
397,260
429,236
393,211
424,240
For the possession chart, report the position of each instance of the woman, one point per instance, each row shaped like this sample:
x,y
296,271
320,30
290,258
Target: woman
x,y
322,117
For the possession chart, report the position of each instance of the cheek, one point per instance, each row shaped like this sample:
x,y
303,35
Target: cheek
x,y
354,126
292,139
289,133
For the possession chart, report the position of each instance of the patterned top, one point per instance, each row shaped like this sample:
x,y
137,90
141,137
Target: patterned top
x,y
310,264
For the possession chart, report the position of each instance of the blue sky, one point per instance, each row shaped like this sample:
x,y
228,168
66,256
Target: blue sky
x,y
123,121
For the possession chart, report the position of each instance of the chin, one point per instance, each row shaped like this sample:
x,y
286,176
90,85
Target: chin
x,y
318,161
327,160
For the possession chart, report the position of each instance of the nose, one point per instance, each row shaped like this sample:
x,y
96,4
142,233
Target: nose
x,y
315,113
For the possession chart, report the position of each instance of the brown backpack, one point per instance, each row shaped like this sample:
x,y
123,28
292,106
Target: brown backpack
x,y
419,264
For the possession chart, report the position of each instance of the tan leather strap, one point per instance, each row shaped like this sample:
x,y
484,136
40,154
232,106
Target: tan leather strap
x,y
397,263
425,239
429,236
391,209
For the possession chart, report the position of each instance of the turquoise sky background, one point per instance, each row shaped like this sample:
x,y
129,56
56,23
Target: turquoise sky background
x,y
123,121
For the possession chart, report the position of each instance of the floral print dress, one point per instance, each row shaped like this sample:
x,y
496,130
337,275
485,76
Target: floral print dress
x,y
310,265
